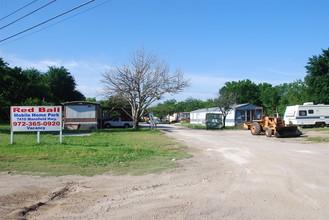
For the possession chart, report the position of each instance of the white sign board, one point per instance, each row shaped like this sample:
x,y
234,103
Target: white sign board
x,y
36,118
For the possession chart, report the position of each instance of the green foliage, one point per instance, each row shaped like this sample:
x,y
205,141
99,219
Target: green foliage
x,y
118,151
190,104
62,85
245,91
194,126
161,110
36,85
269,95
91,100
225,102
317,78
31,87
318,139
294,93
315,88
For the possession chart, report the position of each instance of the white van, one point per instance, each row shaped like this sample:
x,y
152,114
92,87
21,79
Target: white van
x,y
307,115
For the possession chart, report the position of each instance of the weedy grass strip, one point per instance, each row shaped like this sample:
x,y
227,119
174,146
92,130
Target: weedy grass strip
x,y
119,151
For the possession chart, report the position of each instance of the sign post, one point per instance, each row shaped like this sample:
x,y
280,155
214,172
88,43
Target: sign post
x,y
35,119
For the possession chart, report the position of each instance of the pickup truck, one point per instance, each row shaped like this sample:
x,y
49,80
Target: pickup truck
x,y
117,122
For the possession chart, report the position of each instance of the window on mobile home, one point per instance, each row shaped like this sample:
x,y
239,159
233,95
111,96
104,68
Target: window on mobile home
x,y
310,111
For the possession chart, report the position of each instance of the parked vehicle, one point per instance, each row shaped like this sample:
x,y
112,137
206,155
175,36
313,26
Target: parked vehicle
x,y
271,125
307,115
118,122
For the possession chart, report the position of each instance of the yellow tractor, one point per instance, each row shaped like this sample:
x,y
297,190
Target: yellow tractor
x,y
271,125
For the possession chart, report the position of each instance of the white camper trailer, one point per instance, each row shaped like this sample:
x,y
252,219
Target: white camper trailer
x,y
307,115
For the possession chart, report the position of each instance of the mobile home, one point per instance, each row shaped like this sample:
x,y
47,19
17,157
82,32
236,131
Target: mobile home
x,y
82,115
239,114
307,115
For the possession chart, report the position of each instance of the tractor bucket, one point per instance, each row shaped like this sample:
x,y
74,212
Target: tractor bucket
x,y
246,126
289,131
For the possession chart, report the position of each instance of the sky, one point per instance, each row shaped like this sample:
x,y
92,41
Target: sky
x,y
212,41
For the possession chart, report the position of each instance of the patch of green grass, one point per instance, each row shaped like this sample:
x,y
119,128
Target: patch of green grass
x,y
120,151
194,126
318,139
315,129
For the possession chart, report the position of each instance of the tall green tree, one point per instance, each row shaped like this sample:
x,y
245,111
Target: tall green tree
x,y
62,85
12,83
317,78
36,87
31,87
294,93
225,102
245,91
269,95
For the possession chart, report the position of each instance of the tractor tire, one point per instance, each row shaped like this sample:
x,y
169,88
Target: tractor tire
x,y
255,128
268,132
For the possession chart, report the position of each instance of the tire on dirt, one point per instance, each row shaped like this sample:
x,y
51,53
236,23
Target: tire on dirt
x,y
255,128
268,132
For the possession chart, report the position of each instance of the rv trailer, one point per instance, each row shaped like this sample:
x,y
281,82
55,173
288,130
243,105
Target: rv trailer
x,y
307,115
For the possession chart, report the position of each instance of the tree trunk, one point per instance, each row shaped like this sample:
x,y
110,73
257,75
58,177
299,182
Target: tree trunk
x,y
135,117
224,119
136,123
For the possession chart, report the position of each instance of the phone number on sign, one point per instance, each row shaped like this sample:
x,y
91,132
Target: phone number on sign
x,y
45,123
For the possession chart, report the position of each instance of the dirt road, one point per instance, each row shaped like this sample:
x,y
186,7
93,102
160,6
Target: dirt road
x,y
233,175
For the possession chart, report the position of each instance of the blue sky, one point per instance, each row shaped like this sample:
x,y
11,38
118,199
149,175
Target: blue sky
x,y
212,41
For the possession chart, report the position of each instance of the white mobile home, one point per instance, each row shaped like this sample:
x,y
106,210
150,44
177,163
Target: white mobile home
x,y
239,114
307,114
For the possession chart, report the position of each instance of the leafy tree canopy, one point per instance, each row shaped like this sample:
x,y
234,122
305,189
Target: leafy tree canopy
x,y
245,91
317,78
32,87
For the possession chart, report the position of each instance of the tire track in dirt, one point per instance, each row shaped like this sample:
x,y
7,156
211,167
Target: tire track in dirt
x,y
57,194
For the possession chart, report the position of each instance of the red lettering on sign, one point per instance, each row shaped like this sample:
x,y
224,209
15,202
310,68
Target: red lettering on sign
x,y
23,110
49,109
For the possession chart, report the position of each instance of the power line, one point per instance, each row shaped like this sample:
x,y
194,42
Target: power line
x,y
96,6
18,10
28,14
46,21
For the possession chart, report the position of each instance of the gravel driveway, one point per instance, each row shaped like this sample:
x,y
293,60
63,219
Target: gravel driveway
x,y
232,175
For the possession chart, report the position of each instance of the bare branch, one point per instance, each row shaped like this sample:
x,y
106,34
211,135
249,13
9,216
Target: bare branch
x,y
142,82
